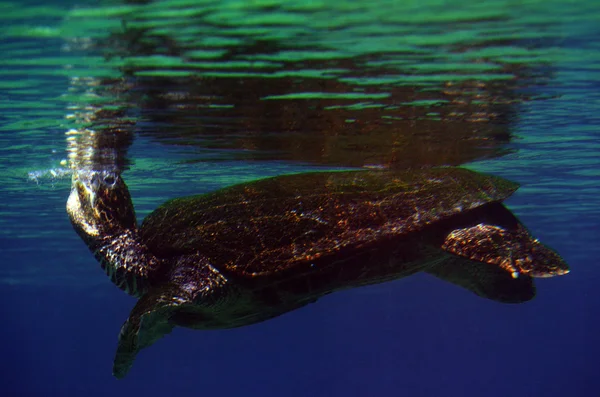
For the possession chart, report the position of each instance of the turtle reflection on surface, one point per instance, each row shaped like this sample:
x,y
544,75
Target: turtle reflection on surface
x,y
256,250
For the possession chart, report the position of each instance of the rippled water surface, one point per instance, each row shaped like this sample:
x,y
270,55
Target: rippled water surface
x,y
216,93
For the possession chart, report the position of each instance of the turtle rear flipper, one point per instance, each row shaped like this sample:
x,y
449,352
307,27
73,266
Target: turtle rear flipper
x,y
491,282
513,250
149,321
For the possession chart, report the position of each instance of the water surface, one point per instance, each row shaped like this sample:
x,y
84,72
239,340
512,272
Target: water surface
x,y
223,92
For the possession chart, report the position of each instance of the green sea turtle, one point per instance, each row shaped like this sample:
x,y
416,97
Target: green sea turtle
x,y
256,250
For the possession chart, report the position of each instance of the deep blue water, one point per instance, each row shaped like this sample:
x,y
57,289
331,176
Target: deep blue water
x,y
417,336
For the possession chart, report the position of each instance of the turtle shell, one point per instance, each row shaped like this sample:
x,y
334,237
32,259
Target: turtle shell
x,y
272,225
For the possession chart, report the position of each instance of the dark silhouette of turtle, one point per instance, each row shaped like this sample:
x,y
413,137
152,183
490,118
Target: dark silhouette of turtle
x,y
256,250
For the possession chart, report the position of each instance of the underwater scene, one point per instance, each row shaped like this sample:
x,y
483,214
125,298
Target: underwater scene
x,y
300,198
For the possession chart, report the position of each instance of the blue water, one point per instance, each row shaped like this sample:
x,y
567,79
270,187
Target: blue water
x,y
417,336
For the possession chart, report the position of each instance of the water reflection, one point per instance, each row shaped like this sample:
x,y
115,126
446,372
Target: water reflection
x,y
342,84
326,123
383,84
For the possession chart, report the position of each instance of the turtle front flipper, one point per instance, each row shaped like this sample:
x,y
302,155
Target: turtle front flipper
x,y
192,287
513,250
149,321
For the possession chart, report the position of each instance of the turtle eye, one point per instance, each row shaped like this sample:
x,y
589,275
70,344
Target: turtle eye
x,y
110,180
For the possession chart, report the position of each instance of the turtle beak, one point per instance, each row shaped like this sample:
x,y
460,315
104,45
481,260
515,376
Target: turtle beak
x,y
87,187
80,206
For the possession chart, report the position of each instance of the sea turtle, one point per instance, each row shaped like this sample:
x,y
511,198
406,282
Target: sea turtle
x,y
256,250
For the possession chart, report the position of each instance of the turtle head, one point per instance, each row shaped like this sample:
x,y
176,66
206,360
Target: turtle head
x,y
102,213
100,204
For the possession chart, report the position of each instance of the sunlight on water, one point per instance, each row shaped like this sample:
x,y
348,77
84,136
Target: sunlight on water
x,y
52,175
